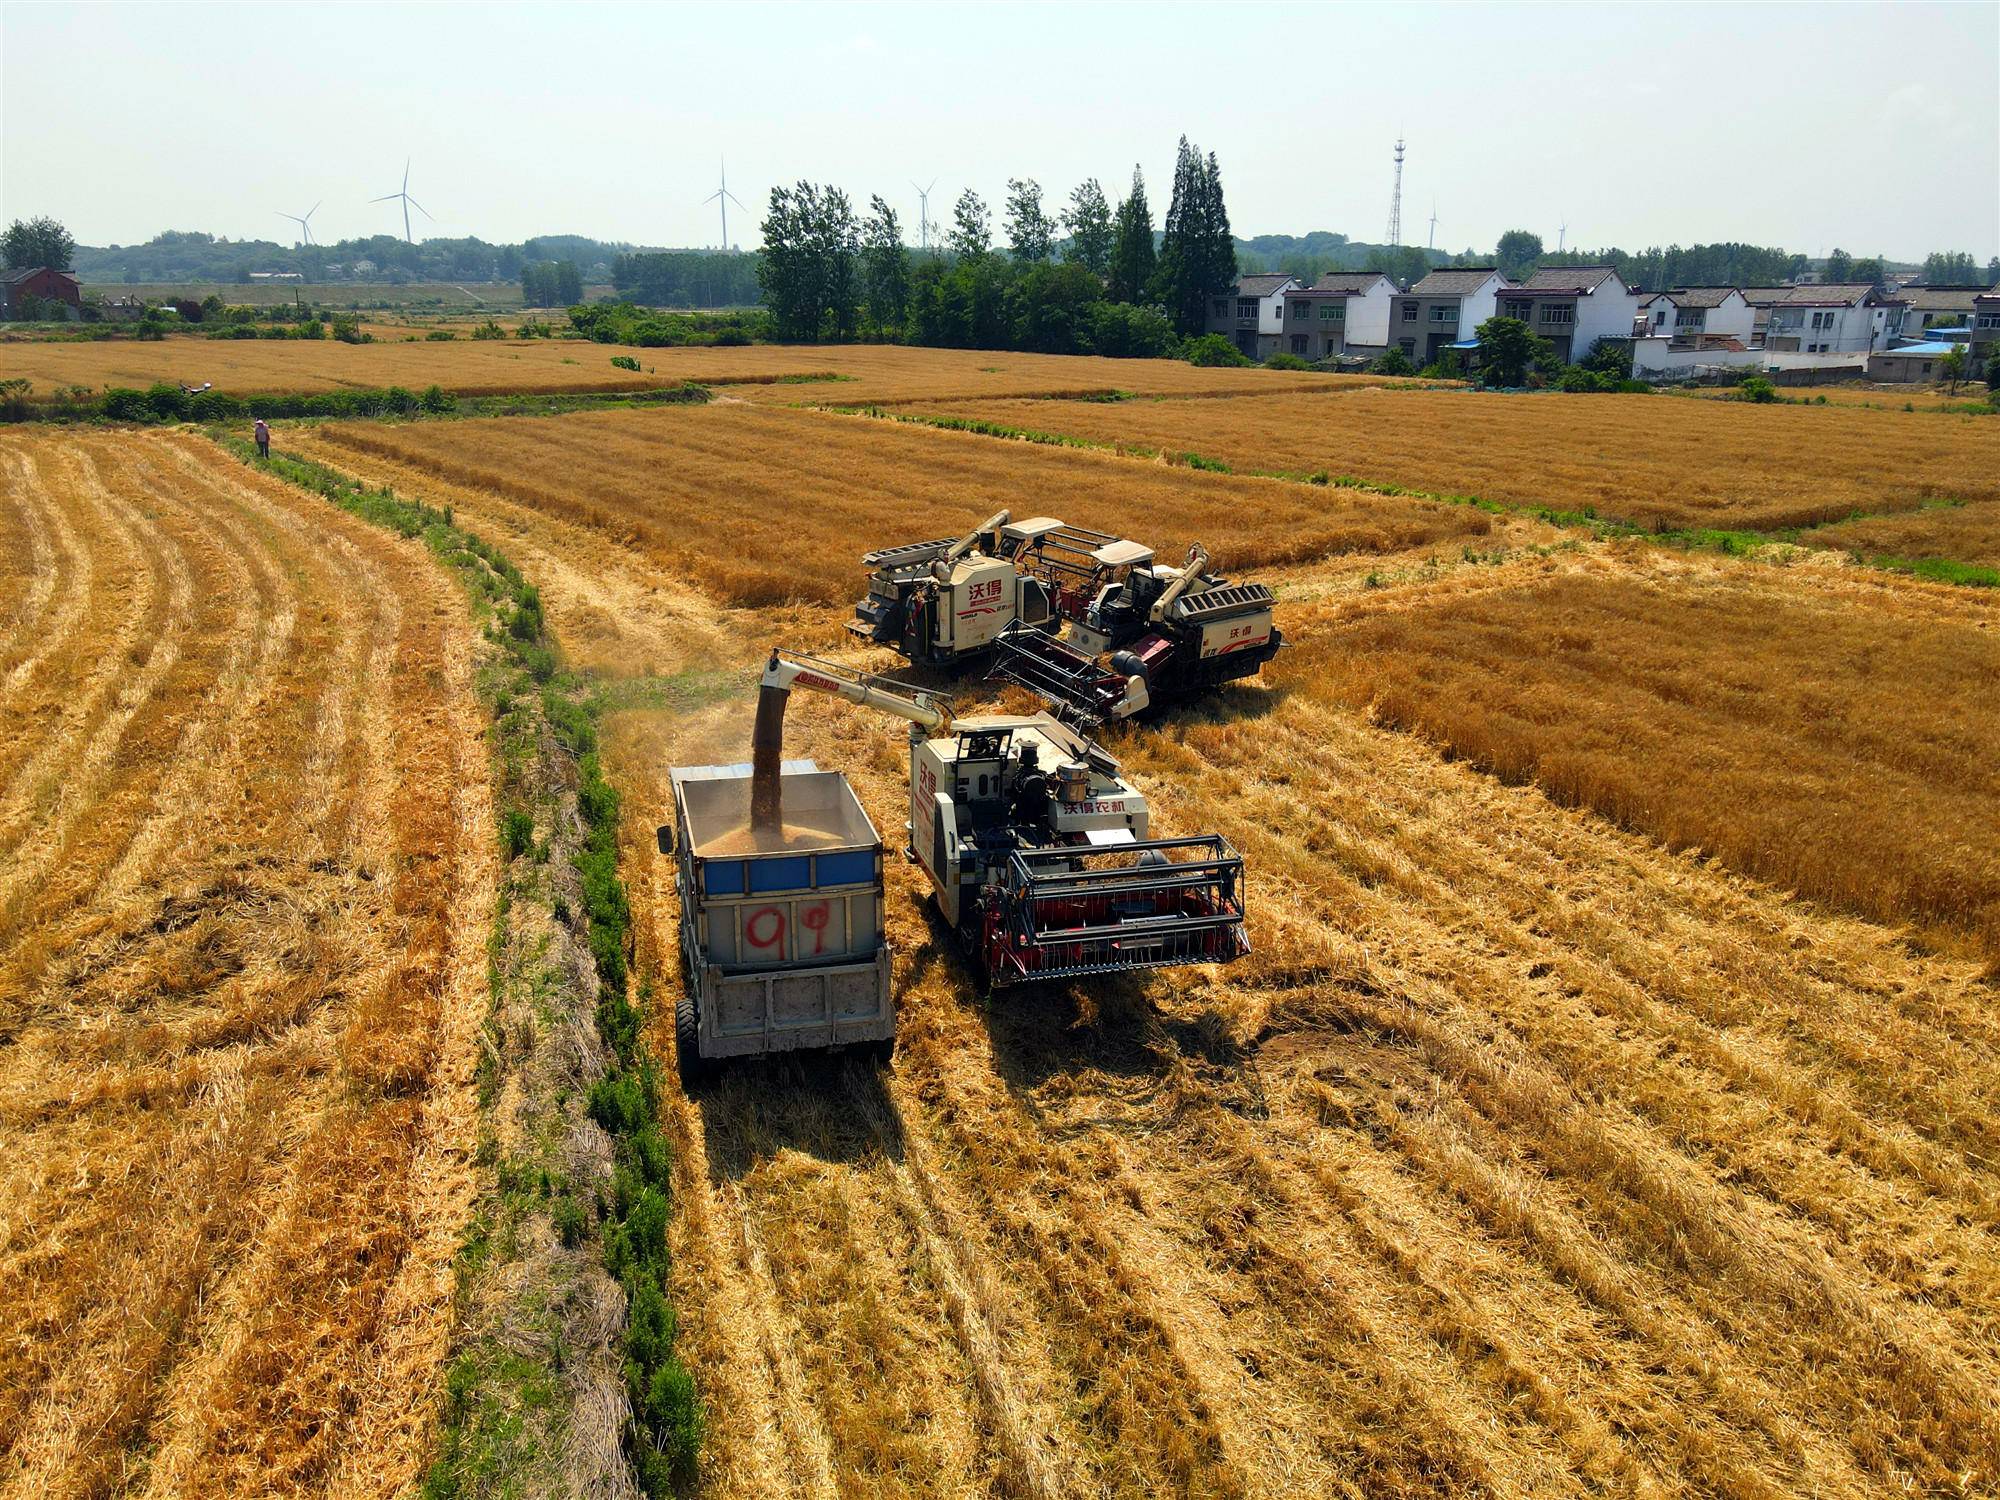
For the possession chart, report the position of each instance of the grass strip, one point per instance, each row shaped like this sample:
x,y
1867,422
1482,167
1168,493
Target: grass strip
x,y
546,1236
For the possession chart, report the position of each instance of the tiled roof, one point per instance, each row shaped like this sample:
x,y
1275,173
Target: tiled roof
x,y
1568,279
1348,281
1942,298
1259,286
1699,296
1843,294
1460,281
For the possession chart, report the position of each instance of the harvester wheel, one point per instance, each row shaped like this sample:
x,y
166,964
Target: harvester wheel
x,y
694,1067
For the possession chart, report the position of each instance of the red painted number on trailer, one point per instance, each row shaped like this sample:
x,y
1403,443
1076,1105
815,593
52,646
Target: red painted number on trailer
x,y
815,918
765,927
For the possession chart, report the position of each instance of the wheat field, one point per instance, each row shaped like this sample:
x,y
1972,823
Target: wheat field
x,y
762,506
245,873
486,367
1528,1154
1655,461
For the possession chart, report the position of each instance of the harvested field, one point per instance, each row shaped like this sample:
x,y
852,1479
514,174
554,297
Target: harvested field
x,y
1523,1156
245,879
249,366
869,372
1832,738
759,506
1652,460
1967,533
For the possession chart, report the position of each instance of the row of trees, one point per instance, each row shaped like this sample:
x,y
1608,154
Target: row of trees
x,y
551,283
826,273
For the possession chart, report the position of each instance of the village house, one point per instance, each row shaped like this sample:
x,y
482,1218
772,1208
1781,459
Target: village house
x,y
1574,307
1842,318
1251,315
1985,332
1937,307
1441,311
1341,313
1690,314
39,287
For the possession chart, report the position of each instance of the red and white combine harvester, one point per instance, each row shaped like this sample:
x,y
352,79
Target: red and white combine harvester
x,y
1038,851
997,599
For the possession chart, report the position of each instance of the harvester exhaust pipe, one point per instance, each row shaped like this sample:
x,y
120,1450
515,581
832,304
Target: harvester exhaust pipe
x,y
767,752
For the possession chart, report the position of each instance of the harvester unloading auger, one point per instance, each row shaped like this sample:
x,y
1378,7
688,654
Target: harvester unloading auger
x,y
1036,847
996,598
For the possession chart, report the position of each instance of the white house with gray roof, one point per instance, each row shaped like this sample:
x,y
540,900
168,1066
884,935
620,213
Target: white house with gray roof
x,y
1574,307
1251,314
1344,312
1442,311
1690,314
1834,318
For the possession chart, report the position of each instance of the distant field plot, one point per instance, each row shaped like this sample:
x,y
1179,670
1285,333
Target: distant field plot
x,y
245,366
443,295
1651,460
1968,533
1809,736
245,880
868,372
758,506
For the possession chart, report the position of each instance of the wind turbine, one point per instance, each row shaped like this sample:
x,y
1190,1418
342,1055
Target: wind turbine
x,y
724,197
923,213
403,194
1433,244
304,221
1562,237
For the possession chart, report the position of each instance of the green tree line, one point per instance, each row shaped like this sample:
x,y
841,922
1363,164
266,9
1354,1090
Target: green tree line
x,y
1083,277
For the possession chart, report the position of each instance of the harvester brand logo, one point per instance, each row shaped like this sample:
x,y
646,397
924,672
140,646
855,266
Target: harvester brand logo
x,y
984,598
1101,807
1240,638
813,679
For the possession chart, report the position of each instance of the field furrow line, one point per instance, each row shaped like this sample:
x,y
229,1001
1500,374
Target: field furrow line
x,y
25,549
91,668
1658,1190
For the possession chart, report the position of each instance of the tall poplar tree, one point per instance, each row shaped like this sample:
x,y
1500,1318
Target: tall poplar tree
x,y
1132,257
1197,253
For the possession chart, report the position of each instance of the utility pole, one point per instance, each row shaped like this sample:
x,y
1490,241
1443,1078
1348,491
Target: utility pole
x,y
1396,200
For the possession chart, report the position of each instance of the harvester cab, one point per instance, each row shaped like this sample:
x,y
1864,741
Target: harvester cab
x,y
944,602
1036,847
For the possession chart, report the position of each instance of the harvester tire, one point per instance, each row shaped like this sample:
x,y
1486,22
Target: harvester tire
x,y
695,1069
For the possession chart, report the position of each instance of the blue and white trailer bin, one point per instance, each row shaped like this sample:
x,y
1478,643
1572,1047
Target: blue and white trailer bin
x,y
782,941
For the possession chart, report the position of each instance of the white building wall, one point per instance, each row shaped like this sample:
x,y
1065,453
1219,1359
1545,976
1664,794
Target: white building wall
x,y
1368,315
1478,307
1732,317
1606,313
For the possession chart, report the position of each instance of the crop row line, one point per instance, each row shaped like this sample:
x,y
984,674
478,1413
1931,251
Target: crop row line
x,y
546,1234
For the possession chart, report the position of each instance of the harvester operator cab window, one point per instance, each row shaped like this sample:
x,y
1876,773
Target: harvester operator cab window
x,y
1031,791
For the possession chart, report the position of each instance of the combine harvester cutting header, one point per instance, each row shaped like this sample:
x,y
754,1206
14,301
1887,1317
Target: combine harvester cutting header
x,y
1140,633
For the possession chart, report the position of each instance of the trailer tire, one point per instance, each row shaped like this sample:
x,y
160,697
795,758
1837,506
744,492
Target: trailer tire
x,y
695,1069
882,1053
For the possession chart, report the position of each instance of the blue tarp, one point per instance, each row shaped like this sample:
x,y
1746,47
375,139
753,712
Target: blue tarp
x,y
1924,351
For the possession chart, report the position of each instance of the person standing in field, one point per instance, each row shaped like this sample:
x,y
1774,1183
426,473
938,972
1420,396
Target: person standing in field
x,y
263,439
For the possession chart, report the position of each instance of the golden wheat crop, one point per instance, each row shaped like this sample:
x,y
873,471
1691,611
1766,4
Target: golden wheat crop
x,y
1838,749
1524,1156
1966,533
759,506
245,871
1651,460
481,367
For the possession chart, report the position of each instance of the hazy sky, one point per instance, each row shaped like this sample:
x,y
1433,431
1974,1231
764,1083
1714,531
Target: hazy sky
x,y
1874,128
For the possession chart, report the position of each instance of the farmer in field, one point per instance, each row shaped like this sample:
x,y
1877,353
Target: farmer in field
x,y
263,439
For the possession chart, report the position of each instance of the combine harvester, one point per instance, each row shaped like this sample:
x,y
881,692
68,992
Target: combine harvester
x,y
1036,848
1140,634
